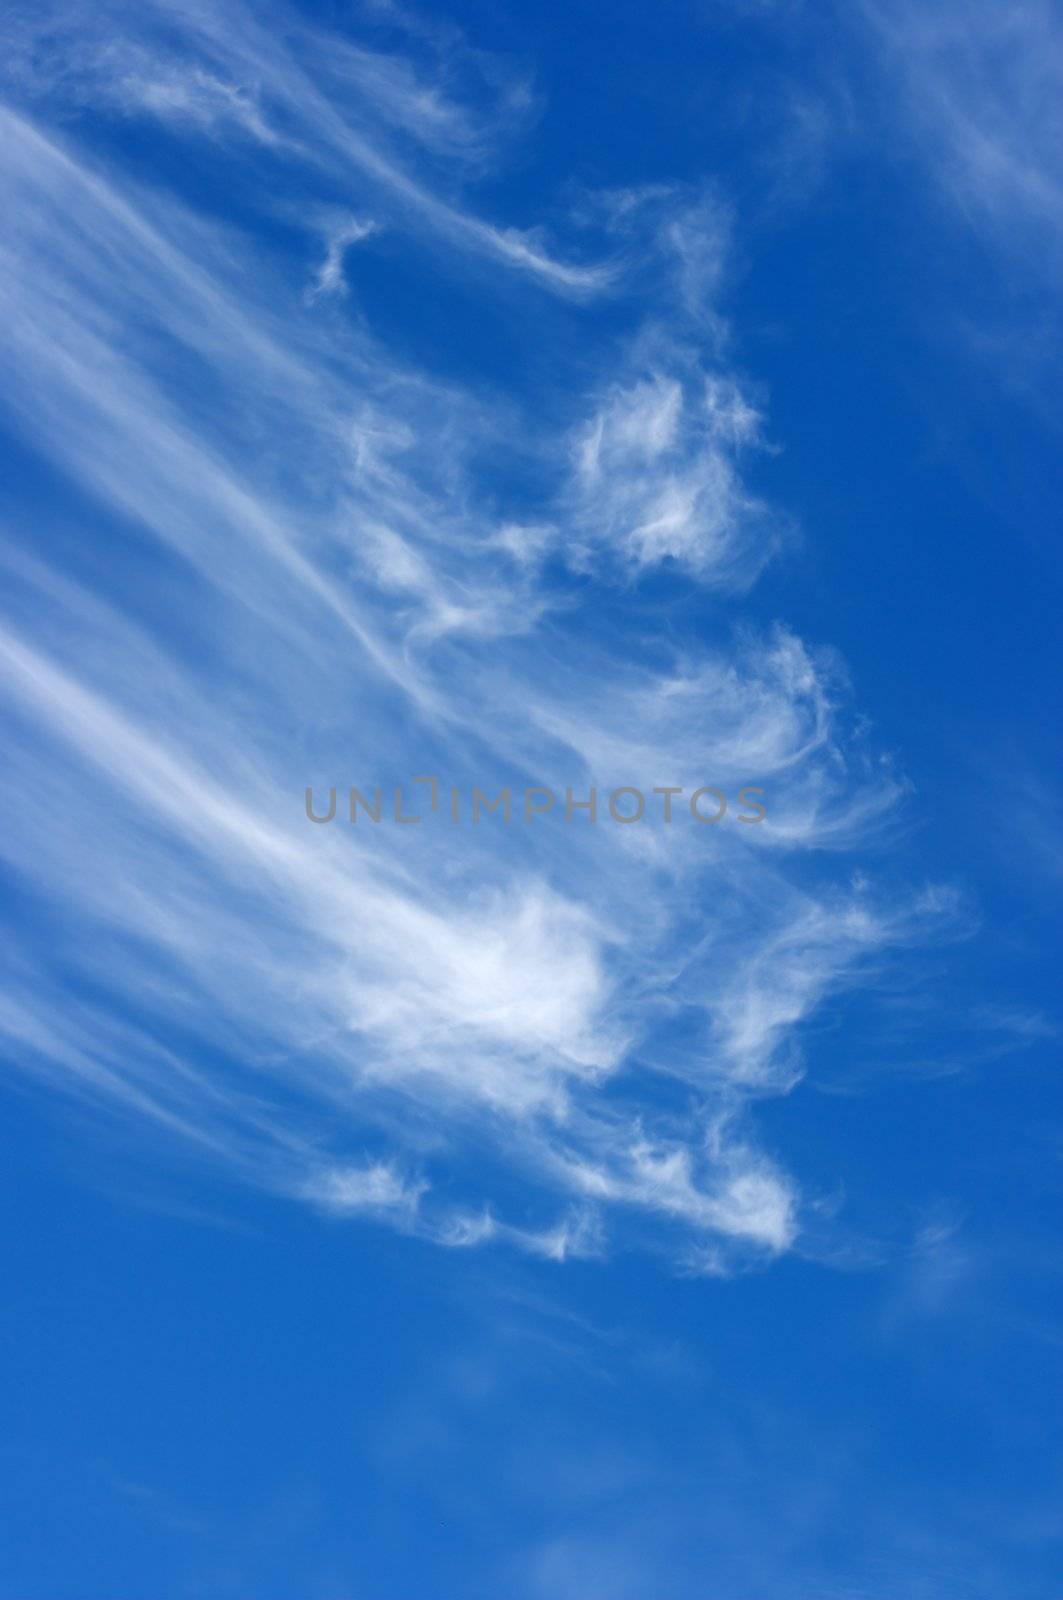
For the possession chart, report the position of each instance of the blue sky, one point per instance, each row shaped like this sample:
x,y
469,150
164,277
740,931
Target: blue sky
x,y
555,398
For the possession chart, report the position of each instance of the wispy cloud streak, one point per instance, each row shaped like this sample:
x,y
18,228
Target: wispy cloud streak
x,y
305,98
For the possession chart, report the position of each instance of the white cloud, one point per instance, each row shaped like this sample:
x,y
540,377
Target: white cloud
x,y
331,108
330,279
320,582
376,1187
658,478
192,97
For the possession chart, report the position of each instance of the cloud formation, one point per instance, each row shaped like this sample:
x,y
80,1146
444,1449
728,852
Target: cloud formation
x,y
323,566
